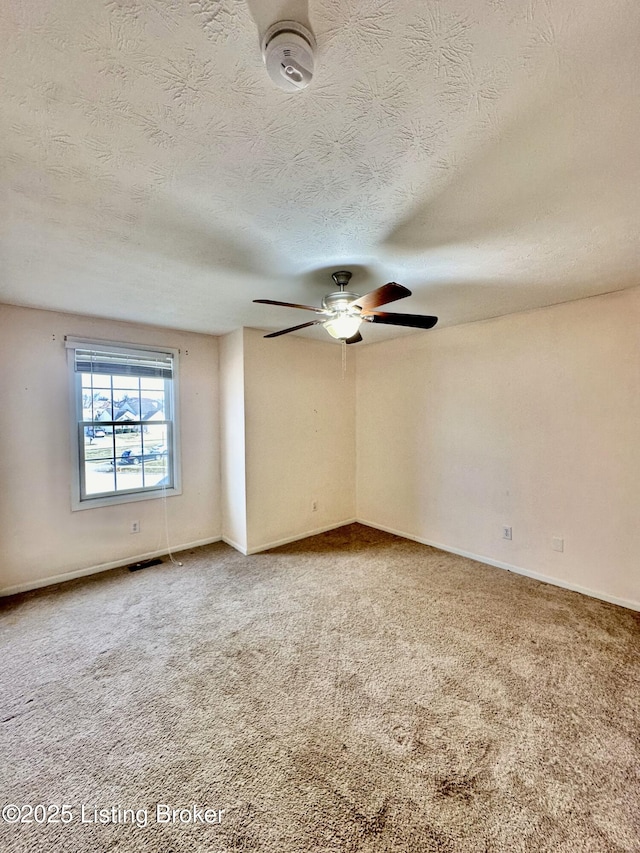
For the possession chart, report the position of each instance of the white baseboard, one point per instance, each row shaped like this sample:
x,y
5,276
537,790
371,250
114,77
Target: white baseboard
x,y
229,541
603,596
258,548
102,567
499,564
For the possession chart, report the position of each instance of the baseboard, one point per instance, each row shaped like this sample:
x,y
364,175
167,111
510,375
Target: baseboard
x,y
102,567
258,548
229,541
498,564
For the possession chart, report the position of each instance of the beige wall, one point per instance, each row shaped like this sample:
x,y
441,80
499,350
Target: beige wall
x,y
41,538
531,421
232,440
300,437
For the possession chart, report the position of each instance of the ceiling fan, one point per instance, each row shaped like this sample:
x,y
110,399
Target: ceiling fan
x,y
343,312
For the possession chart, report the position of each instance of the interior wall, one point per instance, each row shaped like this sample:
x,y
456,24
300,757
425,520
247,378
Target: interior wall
x,y
232,440
529,421
300,437
42,538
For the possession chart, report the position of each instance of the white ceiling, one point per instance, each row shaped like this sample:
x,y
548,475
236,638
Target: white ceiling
x,y
485,153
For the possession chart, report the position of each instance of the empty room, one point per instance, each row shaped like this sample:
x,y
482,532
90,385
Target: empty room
x,y
320,404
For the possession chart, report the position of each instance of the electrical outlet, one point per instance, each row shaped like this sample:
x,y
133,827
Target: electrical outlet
x,y
135,527
557,543
506,533
314,506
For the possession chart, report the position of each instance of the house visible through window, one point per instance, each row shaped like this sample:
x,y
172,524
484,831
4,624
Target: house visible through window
x,y
125,431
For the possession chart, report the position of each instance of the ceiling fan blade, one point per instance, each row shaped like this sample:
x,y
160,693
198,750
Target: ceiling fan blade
x,y
293,329
290,305
382,296
414,321
354,339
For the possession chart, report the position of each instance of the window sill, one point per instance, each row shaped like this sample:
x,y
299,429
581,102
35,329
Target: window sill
x,y
127,497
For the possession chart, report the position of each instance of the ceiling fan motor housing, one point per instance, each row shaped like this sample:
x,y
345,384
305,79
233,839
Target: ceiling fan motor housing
x,y
339,300
288,53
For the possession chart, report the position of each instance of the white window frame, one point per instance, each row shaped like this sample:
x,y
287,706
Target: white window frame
x,y
77,423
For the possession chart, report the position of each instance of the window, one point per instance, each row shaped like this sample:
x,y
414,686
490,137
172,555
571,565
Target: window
x,y
124,422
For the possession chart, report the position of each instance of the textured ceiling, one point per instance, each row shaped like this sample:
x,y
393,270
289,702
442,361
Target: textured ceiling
x,y
485,153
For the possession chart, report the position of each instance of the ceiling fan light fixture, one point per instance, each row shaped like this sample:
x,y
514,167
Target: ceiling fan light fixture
x,y
343,312
343,326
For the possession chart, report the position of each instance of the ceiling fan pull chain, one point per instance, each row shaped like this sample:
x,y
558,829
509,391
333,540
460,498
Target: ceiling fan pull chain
x,y
344,359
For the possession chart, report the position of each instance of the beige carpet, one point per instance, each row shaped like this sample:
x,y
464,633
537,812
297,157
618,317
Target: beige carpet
x,y
351,692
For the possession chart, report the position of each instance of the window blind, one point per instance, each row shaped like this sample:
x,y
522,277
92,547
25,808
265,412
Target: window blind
x,y
122,362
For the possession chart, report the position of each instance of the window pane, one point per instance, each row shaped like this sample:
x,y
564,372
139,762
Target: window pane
x,y
156,472
134,448
149,384
126,406
97,445
96,380
152,405
125,383
155,433
96,405
128,477
99,477
127,445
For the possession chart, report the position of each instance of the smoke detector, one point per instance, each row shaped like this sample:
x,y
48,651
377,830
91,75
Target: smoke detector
x,y
287,51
